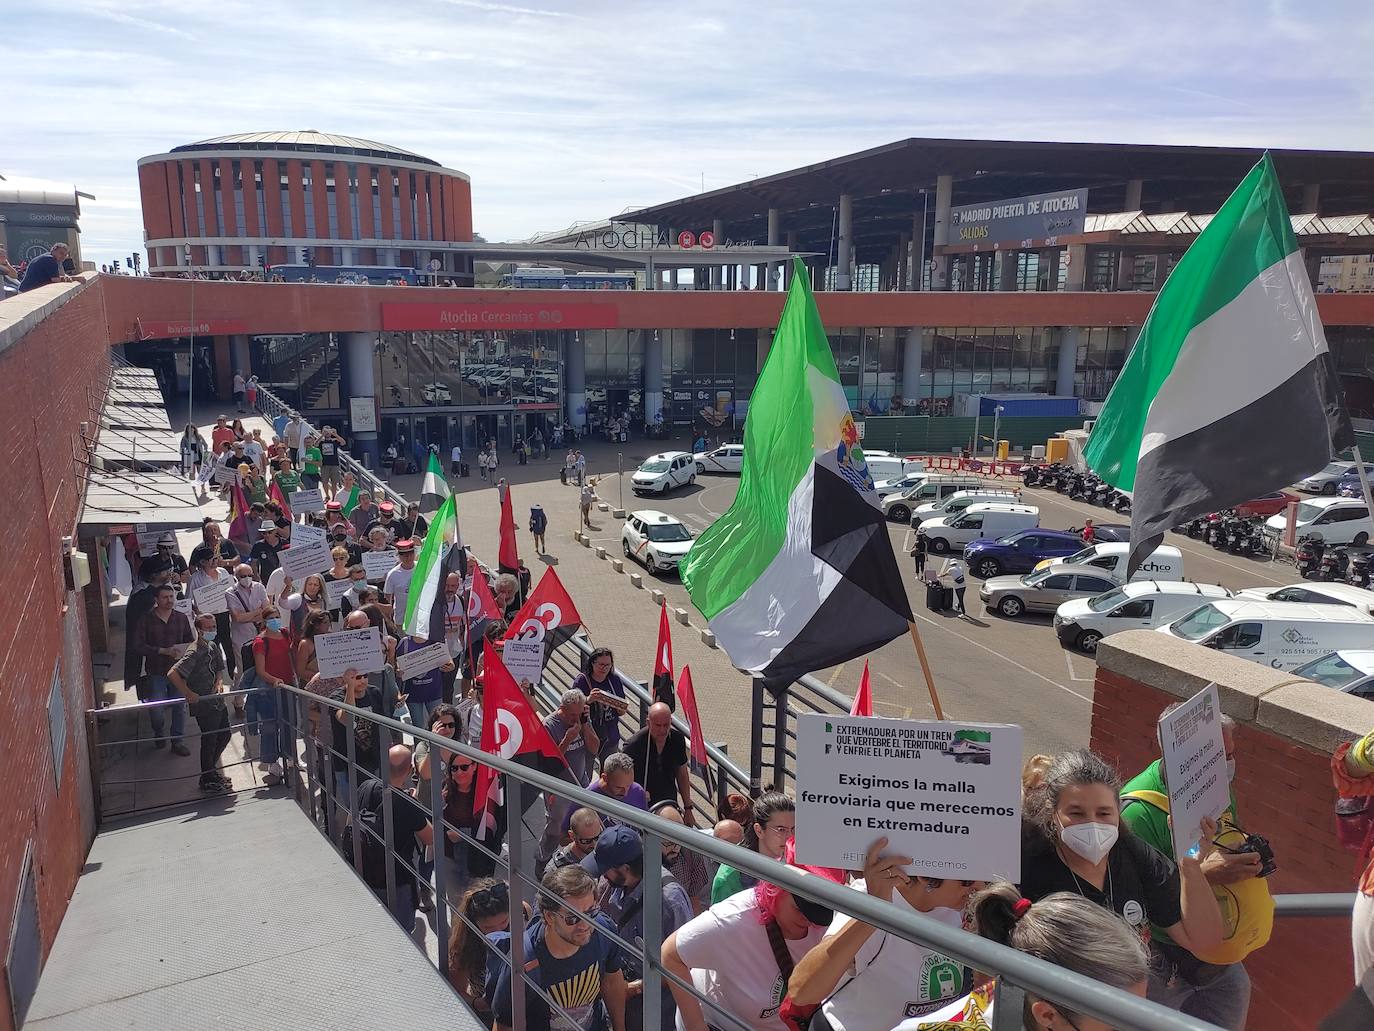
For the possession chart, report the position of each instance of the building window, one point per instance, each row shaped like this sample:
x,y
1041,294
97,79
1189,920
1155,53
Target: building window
x,y
260,194
307,184
200,201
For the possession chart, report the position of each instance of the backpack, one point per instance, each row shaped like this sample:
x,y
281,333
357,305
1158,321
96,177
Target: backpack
x,y
373,845
1247,908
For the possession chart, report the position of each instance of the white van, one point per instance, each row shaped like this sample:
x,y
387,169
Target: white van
x,y
1164,563
984,519
1141,605
960,500
1281,634
1315,592
934,488
1338,520
1351,671
882,467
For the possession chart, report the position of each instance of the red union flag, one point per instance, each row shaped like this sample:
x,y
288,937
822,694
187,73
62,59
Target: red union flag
x,y
663,662
549,615
481,602
700,763
863,701
507,553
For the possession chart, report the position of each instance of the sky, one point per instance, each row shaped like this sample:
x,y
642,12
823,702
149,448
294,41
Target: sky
x,y
562,112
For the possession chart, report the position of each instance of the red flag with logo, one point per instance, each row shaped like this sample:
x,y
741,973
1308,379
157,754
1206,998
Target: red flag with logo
x,y
549,615
507,555
238,513
510,728
863,701
701,765
275,493
663,662
481,602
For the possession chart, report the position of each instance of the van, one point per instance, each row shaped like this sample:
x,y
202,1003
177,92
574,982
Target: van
x,y
933,488
1351,671
1337,520
983,519
1315,592
955,503
884,468
1280,634
1164,563
1141,605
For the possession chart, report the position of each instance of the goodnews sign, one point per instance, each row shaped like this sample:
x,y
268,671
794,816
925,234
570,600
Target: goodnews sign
x,y
947,794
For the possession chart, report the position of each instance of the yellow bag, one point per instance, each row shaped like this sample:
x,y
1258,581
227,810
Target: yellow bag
x,y
1247,908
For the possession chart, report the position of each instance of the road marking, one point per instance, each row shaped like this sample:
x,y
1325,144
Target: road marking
x,y
695,520
906,541
1068,664
835,676
993,651
701,503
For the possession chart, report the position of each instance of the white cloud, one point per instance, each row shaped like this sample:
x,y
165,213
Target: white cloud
x,y
563,111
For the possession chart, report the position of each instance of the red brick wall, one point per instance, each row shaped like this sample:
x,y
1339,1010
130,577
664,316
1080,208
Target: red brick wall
x,y
1283,792
44,382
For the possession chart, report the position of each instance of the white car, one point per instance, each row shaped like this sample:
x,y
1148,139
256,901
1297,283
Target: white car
x,y
656,539
1324,480
1336,520
662,472
437,394
900,483
727,459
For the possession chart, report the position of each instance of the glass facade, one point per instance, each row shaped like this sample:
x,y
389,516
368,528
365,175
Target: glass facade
x,y
301,369
710,376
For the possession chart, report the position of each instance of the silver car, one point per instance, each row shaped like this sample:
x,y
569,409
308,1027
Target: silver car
x,y
1043,590
1324,481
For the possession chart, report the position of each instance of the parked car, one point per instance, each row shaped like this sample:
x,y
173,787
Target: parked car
x,y
436,394
933,488
1279,634
1019,552
1111,533
980,520
1142,605
1042,591
1164,563
727,459
1316,592
1326,481
1266,505
656,539
1351,671
898,483
662,472
955,503
1337,520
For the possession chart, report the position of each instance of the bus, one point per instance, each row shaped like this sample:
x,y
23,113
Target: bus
x,y
541,278
355,275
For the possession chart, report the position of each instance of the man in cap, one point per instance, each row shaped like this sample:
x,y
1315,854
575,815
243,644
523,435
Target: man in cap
x,y
386,519
396,587
265,552
166,560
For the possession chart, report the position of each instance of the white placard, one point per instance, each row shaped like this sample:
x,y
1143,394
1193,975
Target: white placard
x,y
223,475
212,598
147,543
300,560
947,794
306,500
183,605
379,563
420,661
303,533
524,659
334,590
349,649
362,414
1194,766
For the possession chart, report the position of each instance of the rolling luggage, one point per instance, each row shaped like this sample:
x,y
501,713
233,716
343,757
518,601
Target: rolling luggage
x,y
938,596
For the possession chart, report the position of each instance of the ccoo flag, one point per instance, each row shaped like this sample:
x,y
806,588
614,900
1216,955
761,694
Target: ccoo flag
x,y
799,573
435,488
507,553
1230,392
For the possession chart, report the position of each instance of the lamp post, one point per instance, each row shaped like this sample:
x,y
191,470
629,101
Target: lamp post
x,y
996,427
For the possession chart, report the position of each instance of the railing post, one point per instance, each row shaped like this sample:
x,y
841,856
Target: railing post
x,y
351,777
756,740
722,784
389,840
780,738
1008,1005
436,820
515,845
651,892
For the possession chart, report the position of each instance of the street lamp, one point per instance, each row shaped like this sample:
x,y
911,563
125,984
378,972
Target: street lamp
x,y
996,427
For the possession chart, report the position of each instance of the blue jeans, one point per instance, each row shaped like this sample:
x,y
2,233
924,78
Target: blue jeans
x,y
420,713
265,700
159,689
1224,1002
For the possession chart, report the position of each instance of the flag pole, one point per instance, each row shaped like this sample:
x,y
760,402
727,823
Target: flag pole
x,y
925,668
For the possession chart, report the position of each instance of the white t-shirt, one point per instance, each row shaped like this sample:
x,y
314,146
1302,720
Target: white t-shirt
x,y
892,979
253,450
732,962
293,435
397,587
457,453
239,384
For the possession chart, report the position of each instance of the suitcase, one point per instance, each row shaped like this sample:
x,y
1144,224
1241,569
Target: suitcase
x,y
935,596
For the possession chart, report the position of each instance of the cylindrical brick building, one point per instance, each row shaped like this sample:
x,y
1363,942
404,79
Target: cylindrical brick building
x,y
254,199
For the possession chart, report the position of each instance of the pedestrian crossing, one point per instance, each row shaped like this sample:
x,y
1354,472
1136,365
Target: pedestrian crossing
x,y
696,522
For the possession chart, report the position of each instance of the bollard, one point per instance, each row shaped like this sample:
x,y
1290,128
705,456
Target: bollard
x,y
619,513
636,580
600,552
601,506
657,597
681,616
586,541
618,565
708,638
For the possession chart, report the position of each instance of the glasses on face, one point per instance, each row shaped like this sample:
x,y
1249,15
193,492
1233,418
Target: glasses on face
x,y
588,842
571,918
463,767
445,724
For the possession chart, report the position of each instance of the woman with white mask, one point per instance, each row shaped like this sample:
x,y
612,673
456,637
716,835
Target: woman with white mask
x,y
1073,841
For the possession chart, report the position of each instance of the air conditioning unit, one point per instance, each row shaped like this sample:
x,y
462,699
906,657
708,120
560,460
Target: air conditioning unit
x,y
1088,425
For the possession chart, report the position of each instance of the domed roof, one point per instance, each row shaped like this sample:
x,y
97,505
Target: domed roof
x,y
310,140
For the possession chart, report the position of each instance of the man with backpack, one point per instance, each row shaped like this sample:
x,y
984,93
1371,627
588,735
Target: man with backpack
x,y
1213,987
410,827
539,524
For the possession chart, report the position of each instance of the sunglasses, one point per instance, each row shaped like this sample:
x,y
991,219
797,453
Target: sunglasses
x,y
463,767
587,842
497,894
571,918
448,725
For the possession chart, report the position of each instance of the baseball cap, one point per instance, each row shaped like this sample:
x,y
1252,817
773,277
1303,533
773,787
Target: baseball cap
x,y
405,545
617,846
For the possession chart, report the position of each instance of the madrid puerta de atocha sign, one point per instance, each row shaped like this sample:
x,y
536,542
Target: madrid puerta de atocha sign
x,y
1034,221
631,236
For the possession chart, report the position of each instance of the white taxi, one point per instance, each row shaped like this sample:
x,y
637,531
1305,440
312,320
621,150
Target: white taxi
x,y
727,459
662,472
656,539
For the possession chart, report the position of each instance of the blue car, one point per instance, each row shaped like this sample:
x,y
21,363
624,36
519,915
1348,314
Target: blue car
x,y
1019,552
1349,486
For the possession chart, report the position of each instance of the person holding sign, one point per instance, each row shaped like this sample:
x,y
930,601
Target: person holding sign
x,y
424,691
1212,987
1072,841
208,573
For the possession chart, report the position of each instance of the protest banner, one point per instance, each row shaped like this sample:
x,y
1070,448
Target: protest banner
x,y
303,533
334,590
379,563
1194,766
947,794
212,599
422,660
349,649
223,475
183,605
147,542
302,501
300,560
524,659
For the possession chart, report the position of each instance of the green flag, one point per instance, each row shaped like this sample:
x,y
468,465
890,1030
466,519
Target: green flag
x,y
352,502
441,554
435,487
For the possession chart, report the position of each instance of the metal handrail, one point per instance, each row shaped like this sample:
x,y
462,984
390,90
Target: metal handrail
x,y
1043,979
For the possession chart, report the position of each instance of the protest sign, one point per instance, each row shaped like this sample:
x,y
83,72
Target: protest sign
x,y
213,598
300,560
379,563
1194,766
334,590
524,659
147,543
349,649
303,533
183,605
947,794
306,501
422,660
223,475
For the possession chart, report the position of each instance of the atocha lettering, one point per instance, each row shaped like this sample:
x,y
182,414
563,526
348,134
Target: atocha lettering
x,y
622,237
501,317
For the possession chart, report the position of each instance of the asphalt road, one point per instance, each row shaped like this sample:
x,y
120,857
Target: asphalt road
x,y
985,666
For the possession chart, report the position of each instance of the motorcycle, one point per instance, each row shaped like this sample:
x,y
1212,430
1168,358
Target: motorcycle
x,y
1102,494
1032,474
1307,558
1120,501
1359,571
1335,563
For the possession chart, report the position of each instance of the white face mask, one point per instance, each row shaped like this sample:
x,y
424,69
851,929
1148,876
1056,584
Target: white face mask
x,y
244,581
1092,841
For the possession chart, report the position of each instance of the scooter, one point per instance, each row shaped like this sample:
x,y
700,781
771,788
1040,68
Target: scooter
x,y
1120,501
1307,558
1335,563
1359,571
1031,474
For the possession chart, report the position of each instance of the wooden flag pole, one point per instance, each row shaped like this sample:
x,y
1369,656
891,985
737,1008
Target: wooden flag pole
x,y
925,668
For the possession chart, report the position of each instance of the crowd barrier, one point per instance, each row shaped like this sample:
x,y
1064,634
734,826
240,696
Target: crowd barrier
x,y
983,467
